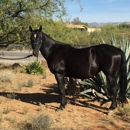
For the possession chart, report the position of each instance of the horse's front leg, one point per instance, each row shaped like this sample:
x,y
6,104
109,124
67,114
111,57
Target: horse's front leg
x,y
61,85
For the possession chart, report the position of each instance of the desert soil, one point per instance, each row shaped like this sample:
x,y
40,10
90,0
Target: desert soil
x,y
43,99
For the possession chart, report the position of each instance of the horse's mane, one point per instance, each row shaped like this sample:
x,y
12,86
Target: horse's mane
x,y
47,35
58,42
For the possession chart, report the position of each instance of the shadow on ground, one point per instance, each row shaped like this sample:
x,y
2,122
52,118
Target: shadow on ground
x,y
50,95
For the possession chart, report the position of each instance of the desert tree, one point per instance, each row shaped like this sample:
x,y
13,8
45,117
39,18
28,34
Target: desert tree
x,y
17,15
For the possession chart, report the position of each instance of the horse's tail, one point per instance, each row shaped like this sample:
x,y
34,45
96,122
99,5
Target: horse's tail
x,y
123,78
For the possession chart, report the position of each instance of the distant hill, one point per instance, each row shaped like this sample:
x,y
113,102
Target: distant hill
x,y
94,24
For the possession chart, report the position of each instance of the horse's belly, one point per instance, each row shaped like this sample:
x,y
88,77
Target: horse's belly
x,y
83,68
81,73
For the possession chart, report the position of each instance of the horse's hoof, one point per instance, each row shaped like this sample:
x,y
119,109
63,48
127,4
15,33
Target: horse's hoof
x,y
111,108
60,109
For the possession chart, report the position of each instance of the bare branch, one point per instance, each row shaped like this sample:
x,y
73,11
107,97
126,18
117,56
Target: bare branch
x,y
47,2
18,11
6,44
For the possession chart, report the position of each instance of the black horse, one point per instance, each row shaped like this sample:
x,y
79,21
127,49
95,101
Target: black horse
x,y
66,61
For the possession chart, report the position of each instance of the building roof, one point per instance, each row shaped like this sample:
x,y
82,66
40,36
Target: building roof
x,y
77,26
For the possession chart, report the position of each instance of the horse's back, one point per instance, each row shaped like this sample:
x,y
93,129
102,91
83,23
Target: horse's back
x,y
81,63
87,62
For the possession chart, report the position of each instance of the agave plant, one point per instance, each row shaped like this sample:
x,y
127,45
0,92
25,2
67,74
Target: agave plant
x,y
98,86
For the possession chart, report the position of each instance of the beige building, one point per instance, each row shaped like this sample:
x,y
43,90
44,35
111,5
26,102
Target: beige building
x,y
82,27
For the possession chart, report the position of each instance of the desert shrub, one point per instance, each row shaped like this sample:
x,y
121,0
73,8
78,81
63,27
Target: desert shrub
x,y
6,110
25,110
39,122
20,87
7,76
1,114
124,111
11,96
30,83
34,68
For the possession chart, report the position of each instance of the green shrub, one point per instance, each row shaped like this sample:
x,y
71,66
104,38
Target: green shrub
x,y
34,68
11,96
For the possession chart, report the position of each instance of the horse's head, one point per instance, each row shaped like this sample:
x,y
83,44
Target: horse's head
x,y
36,40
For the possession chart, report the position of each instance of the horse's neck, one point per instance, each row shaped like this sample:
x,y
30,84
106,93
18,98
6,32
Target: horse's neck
x,y
46,48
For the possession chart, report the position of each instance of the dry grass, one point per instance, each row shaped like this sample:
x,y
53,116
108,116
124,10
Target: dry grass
x,y
7,76
7,110
124,111
38,122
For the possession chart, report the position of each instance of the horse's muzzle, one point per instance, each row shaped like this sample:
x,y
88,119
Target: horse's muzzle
x,y
35,53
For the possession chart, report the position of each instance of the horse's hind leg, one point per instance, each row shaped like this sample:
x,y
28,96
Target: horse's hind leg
x,y
114,87
61,85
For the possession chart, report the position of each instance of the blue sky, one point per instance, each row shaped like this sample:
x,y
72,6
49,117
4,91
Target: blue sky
x,y
99,10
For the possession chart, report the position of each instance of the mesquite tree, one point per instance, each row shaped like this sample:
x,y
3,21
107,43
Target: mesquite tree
x,y
17,15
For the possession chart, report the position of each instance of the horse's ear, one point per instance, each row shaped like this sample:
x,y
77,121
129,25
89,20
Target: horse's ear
x,y
30,28
40,29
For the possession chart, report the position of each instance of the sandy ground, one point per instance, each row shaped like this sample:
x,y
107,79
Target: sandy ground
x,y
43,99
